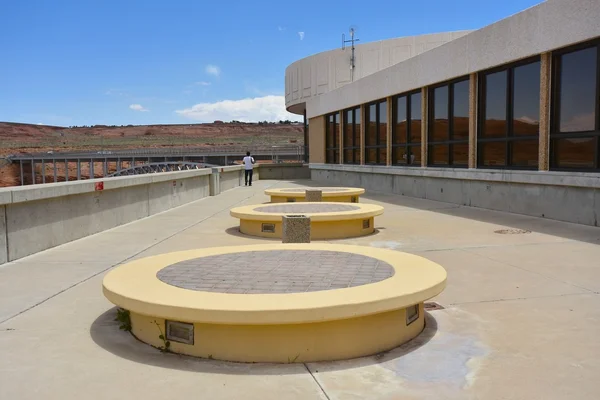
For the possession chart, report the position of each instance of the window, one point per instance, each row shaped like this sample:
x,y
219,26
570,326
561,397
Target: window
x,y
406,129
448,136
376,133
306,144
575,116
352,136
332,129
509,104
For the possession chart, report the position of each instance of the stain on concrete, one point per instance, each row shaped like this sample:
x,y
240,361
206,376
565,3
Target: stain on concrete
x,y
386,245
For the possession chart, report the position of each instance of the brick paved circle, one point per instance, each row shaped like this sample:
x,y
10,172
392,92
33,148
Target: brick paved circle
x,y
301,208
276,271
324,189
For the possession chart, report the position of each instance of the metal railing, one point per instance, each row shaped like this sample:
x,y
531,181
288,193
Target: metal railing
x,y
166,152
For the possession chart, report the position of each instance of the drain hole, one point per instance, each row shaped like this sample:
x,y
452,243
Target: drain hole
x,y
432,306
512,231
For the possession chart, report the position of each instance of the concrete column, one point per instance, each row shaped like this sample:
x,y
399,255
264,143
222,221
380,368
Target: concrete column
x,y
295,229
544,145
33,172
341,137
105,168
316,140
214,187
363,130
54,170
313,195
66,170
388,138
424,123
92,175
43,171
78,169
22,174
473,120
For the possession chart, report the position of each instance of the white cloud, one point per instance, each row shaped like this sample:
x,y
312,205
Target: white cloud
x,y
301,34
116,92
213,70
137,107
266,108
203,83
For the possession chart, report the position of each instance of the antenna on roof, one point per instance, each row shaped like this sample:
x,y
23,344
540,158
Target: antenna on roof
x,y
352,59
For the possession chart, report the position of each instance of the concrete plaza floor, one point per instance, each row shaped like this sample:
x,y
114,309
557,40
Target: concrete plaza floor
x,y
521,317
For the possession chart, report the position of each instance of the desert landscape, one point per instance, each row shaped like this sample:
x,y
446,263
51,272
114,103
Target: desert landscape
x,y
16,138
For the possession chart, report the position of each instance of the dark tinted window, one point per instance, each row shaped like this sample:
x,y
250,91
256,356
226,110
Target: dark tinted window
x,y
371,137
575,123
578,72
415,118
509,129
401,123
495,104
461,110
440,126
526,100
382,122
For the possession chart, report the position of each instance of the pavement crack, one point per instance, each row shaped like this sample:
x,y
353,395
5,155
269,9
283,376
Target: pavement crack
x,y
317,382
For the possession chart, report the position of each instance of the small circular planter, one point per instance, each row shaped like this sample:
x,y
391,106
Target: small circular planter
x,y
327,220
330,194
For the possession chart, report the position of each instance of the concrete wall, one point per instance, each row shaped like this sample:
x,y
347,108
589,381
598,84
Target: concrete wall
x,y
284,171
570,197
545,27
329,70
37,217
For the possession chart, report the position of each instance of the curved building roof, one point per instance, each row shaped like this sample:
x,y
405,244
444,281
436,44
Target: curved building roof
x,y
323,72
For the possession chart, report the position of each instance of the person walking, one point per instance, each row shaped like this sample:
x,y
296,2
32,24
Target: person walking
x,y
248,165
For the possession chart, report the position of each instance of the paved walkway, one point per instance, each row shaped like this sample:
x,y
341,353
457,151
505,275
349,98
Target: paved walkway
x,y
521,317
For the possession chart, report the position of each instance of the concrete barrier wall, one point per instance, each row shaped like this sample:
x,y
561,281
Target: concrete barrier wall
x,y
3,241
37,217
284,171
570,197
231,177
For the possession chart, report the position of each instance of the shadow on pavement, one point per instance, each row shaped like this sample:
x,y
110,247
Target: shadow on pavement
x,y
106,334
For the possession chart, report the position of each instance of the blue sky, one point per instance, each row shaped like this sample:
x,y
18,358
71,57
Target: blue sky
x,y
76,62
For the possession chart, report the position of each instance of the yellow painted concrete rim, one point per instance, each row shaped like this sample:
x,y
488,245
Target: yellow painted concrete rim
x,y
339,192
363,211
135,287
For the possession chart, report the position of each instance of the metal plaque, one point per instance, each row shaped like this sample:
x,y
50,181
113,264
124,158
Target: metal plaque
x,y
180,332
268,228
412,314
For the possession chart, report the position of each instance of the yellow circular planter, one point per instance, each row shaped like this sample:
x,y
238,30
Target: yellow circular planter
x,y
333,194
279,312
327,220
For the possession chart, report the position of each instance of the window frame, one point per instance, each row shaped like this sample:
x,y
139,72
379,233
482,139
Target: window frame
x,y
378,144
509,136
408,145
450,141
355,135
335,146
555,101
